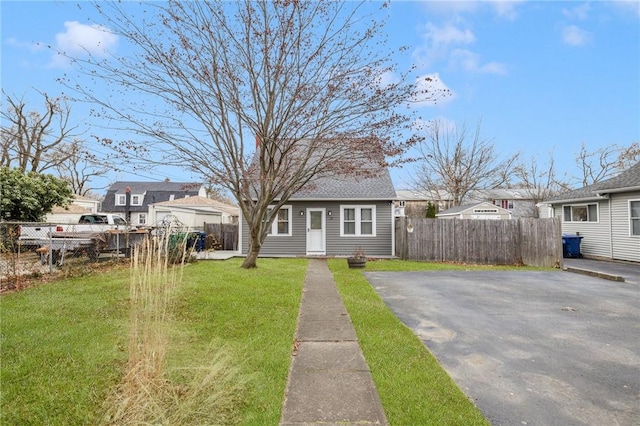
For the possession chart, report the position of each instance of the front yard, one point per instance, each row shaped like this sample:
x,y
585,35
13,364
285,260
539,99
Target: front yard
x,y
65,345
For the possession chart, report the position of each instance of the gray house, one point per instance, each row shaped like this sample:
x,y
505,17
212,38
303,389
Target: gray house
x,y
606,215
333,218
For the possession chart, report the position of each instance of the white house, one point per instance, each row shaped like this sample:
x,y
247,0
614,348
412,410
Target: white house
x,y
606,215
194,211
482,210
71,214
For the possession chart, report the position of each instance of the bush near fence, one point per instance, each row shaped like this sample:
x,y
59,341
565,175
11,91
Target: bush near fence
x,y
522,241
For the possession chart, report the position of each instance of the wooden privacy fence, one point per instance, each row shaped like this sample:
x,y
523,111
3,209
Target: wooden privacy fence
x,y
225,233
528,241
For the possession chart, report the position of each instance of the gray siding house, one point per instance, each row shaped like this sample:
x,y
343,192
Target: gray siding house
x,y
333,218
606,215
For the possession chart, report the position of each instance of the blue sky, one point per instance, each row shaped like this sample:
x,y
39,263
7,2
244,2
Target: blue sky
x,y
542,76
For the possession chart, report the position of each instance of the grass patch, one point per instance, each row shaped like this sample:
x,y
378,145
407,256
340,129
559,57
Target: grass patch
x,y
253,313
63,349
392,265
65,344
412,385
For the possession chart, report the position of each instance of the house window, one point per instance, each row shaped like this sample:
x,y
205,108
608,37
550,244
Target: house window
x,y
581,213
634,216
142,219
358,221
121,200
505,204
282,223
136,200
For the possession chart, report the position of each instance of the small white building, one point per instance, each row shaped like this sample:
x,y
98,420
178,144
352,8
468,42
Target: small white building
x,y
194,212
71,214
482,210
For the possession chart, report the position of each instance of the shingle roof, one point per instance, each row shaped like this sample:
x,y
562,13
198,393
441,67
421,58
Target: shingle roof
x,y
198,201
630,178
155,192
379,187
420,195
627,180
140,187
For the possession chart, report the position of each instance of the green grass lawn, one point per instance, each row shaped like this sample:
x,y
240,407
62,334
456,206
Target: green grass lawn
x,y
414,389
64,344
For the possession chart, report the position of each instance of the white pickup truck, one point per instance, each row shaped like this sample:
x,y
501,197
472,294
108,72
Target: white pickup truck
x,y
92,235
96,222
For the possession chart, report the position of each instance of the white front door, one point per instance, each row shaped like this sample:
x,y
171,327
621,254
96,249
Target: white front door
x,y
315,232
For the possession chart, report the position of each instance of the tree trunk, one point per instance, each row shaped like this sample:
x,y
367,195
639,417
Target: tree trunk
x,y
254,250
250,260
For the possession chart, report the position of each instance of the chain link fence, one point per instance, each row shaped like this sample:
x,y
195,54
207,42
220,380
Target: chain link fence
x,y
29,250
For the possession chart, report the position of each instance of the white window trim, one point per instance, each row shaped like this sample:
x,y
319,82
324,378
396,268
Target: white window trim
x,y
358,209
120,197
142,218
274,224
140,199
581,205
631,234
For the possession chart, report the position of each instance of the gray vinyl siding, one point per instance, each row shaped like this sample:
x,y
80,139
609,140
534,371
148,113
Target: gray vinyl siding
x,y
595,241
296,244
625,246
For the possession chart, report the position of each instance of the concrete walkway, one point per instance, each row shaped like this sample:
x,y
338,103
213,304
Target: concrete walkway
x,y
329,379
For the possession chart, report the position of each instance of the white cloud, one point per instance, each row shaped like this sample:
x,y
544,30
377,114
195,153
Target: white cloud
x,y
506,8
448,35
446,42
431,90
81,40
471,62
574,36
579,12
438,40
628,6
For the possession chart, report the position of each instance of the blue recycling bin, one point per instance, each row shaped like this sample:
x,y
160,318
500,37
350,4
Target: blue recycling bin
x,y
196,240
571,245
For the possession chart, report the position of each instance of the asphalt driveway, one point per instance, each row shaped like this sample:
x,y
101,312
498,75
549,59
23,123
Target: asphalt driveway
x,y
530,348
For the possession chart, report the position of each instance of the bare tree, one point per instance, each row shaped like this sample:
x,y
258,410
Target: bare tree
x,y
540,180
31,140
455,162
259,97
603,163
78,167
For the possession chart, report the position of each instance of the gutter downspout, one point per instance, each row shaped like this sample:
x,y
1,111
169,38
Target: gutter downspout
x,y
610,231
393,230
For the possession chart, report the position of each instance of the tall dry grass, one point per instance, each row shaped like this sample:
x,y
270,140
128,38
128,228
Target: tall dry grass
x,y
205,394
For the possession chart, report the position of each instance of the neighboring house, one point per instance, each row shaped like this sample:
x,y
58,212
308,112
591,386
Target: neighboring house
x,y
333,218
132,199
606,215
521,202
413,203
481,210
71,214
194,211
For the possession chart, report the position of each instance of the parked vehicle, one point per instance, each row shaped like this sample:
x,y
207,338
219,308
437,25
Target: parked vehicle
x,y
92,235
33,235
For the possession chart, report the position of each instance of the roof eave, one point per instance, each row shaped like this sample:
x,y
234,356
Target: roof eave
x,y
576,200
618,190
